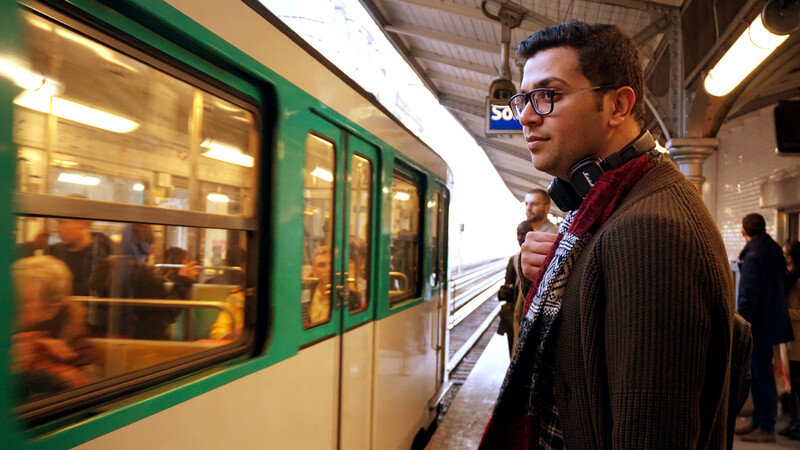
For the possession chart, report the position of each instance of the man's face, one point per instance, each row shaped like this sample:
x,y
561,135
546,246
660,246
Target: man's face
x,y
322,268
575,128
71,231
536,207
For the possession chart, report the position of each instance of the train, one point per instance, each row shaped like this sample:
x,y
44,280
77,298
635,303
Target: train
x,y
256,248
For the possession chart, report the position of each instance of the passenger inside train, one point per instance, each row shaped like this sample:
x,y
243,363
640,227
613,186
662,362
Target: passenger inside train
x,y
49,350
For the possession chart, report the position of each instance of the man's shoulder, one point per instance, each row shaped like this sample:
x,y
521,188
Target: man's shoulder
x,y
548,227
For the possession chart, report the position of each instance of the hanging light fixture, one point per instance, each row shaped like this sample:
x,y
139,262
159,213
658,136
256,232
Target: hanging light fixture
x,y
752,48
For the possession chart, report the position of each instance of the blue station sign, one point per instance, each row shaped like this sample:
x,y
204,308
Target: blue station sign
x,y
500,120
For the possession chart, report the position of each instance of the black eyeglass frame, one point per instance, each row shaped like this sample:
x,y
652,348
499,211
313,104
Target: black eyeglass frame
x,y
551,93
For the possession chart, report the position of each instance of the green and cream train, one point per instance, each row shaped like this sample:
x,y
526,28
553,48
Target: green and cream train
x,y
212,237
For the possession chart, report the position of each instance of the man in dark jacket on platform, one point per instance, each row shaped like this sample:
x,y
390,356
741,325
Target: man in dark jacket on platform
x,y
762,302
626,337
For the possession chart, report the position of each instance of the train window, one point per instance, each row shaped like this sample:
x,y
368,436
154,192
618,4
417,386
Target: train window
x,y
405,240
109,127
318,231
119,297
360,225
135,210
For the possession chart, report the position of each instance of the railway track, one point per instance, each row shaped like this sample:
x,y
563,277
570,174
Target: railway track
x,y
474,311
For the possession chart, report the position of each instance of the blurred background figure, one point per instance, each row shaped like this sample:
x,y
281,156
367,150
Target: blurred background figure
x,y
513,291
791,251
49,350
537,206
762,302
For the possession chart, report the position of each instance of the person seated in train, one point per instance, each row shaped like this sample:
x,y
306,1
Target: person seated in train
x,y
49,350
357,274
129,276
227,326
317,294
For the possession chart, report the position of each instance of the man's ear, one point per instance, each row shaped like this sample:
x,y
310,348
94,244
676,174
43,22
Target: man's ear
x,y
622,100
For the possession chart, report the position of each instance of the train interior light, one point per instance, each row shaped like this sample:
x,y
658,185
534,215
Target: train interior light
x,y
76,178
76,112
322,174
226,153
752,47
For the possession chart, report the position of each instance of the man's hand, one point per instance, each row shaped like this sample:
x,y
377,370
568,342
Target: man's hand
x,y
189,271
536,246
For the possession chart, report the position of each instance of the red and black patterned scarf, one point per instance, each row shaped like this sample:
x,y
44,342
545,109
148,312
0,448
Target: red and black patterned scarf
x,y
525,415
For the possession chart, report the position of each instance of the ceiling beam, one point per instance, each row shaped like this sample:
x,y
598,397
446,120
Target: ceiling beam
x,y
636,4
656,27
455,62
426,33
505,148
532,20
462,104
435,74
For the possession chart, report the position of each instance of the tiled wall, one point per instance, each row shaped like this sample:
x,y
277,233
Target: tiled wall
x,y
745,159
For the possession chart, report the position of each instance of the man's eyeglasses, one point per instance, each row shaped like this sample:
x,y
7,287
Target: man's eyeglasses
x,y
542,99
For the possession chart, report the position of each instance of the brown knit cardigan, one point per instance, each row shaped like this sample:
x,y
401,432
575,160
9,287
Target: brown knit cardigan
x,y
643,341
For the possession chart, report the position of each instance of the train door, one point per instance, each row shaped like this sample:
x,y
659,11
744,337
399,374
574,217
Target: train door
x,y
338,267
439,281
356,294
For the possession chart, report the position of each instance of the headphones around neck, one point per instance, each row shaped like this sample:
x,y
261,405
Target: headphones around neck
x,y
568,195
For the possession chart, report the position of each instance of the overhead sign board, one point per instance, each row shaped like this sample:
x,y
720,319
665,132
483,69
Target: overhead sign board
x,y
500,120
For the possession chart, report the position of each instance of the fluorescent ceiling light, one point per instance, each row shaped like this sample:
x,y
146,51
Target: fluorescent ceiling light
x,y
28,79
75,178
402,196
220,198
62,163
139,187
222,152
74,111
752,47
322,174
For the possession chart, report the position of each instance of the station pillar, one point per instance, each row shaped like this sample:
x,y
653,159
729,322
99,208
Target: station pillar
x,y
690,153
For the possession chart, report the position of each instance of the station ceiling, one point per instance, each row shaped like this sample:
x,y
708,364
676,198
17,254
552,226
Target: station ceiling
x,y
454,46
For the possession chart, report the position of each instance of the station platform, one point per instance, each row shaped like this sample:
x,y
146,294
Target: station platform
x,y
465,420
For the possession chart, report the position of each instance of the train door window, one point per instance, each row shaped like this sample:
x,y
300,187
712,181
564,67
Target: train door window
x,y
405,240
358,275
434,207
136,209
317,231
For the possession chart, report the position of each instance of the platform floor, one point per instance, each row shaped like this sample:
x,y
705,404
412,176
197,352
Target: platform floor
x,y
463,425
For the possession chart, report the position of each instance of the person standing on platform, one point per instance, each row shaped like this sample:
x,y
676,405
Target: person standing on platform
x,y
791,251
626,336
537,205
511,292
762,302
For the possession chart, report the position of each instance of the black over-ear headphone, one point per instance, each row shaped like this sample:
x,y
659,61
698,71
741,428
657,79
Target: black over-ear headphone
x,y
585,173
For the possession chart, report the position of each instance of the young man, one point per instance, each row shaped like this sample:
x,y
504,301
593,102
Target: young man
x,y
537,205
762,302
626,337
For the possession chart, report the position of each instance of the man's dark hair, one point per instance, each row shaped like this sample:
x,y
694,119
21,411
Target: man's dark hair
x,y
754,224
606,56
541,192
